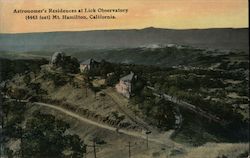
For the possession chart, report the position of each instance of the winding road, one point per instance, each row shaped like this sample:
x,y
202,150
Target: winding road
x,y
159,140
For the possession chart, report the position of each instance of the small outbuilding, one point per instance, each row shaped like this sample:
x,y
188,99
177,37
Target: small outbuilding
x,y
88,65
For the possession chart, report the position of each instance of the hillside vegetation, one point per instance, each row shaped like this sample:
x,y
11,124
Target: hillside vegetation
x,y
215,82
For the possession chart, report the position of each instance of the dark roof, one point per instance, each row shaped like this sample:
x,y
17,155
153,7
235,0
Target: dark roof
x,y
86,62
129,77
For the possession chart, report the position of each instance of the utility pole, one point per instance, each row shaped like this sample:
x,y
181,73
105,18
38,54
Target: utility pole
x,y
86,86
129,151
21,138
86,152
1,139
86,90
147,133
94,148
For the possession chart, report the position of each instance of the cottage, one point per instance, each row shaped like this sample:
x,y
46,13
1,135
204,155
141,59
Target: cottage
x,y
125,85
88,65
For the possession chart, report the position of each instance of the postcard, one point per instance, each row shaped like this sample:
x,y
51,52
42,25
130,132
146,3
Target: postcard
x,y
124,79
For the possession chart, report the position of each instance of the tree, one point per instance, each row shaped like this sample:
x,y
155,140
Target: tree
x,y
75,146
6,110
112,79
35,87
13,116
44,136
95,89
71,65
18,93
27,79
138,86
67,63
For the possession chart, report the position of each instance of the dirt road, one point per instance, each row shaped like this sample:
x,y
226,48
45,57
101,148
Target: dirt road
x,y
156,138
167,142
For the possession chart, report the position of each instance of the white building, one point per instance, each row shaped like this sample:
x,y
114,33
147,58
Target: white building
x,y
125,85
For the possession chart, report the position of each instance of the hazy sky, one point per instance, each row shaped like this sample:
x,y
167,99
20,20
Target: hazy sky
x,y
177,14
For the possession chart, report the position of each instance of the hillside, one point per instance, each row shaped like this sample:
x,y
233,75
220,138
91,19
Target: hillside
x,y
91,106
217,38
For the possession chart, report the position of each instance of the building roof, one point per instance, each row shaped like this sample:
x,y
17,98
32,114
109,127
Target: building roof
x,y
87,62
128,77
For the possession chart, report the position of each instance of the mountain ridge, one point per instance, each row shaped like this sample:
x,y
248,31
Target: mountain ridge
x,y
214,38
130,29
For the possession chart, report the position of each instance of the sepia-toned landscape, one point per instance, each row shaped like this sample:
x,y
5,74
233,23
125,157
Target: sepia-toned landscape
x,y
154,100
124,79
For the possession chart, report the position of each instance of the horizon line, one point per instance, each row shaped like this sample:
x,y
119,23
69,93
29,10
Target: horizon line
x,y
124,29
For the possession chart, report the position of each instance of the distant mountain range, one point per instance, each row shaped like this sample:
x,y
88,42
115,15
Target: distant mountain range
x,y
217,38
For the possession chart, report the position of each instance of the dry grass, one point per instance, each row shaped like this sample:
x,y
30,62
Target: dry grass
x,y
213,150
98,82
117,144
